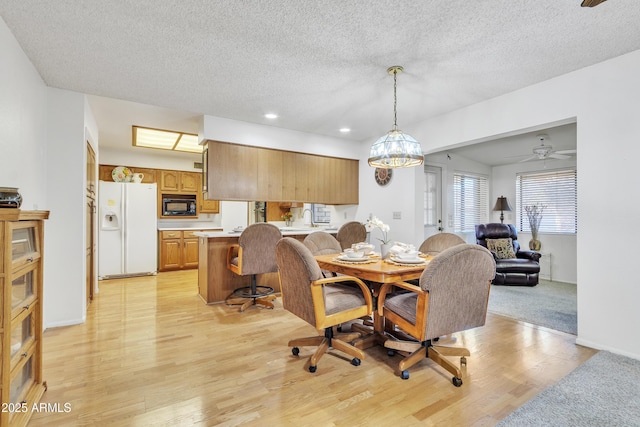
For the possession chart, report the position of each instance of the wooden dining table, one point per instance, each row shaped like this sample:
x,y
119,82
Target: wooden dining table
x,y
375,272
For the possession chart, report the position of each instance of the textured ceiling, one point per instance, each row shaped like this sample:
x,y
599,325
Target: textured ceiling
x,y
320,65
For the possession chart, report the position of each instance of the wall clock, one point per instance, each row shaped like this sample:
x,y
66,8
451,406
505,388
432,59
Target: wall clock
x,y
383,176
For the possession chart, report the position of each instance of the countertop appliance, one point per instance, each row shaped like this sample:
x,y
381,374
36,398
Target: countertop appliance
x,y
127,222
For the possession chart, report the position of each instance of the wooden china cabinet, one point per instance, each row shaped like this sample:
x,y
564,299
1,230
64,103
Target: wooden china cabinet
x,y
21,275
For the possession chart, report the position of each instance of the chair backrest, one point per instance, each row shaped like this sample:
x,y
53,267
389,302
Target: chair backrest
x,y
297,268
350,233
437,243
458,281
497,231
258,243
322,243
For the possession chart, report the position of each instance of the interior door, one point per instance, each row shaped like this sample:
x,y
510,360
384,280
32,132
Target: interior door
x,y
432,200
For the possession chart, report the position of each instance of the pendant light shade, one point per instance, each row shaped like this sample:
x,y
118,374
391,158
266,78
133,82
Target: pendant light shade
x,y
395,149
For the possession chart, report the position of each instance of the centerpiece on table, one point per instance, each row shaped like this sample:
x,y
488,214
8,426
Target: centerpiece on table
x,y
534,213
373,223
287,218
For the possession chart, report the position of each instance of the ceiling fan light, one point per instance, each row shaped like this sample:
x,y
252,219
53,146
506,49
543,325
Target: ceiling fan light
x,y
395,150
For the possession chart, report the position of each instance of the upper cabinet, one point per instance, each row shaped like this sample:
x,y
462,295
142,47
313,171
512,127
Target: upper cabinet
x,y
240,172
179,182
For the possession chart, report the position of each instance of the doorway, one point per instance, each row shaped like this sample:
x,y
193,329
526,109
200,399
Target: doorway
x,y
90,223
432,200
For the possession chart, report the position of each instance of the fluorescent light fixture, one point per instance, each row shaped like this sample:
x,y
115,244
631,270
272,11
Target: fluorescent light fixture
x,y
165,140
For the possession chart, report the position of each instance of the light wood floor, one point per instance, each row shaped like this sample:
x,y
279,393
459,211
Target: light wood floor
x,y
151,353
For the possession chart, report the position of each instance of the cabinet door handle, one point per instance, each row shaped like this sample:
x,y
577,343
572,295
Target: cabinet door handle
x,y
30,259
26,307
23,355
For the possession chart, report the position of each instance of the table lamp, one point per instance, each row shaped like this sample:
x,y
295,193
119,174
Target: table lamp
x,y
502,204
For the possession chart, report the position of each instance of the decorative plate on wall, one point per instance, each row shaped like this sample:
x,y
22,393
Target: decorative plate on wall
x,y
383,176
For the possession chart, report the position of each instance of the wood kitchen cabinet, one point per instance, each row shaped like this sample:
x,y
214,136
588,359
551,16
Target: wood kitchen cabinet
x,y
104,173
240,172
21,276
178,250
179,182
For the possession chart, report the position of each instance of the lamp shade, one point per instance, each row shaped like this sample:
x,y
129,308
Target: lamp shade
x,y
395,150
502,204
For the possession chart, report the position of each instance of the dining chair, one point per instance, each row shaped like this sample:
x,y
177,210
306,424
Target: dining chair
x,y
452,296
322,243
351,232
254,254
322,302
435,244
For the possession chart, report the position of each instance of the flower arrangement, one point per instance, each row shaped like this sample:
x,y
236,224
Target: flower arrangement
x,y
287,216
373,223
534,213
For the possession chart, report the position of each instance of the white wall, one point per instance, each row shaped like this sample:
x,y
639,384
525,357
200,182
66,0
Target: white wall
x,y
604,99
23,134
65,290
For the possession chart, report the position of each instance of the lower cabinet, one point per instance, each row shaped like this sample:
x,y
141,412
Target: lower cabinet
x,y
178,250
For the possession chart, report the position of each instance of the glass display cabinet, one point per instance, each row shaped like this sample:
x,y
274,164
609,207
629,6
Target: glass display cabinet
x,y
21,244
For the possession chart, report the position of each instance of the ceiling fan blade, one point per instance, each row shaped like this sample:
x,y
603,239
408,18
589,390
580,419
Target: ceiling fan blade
x,y
559,156
529,158
591,3
566,151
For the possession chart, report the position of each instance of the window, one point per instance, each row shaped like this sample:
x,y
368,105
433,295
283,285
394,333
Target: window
x,y
470,201
321,213
557,191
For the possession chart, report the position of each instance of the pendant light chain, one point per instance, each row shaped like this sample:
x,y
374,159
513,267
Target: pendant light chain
x,y
395,99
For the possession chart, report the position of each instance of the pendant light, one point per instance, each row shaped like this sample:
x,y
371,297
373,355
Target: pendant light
x,y
395,149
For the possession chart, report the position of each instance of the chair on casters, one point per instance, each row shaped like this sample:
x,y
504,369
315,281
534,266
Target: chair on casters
x,y
322,243
437,243
254,254
350,233
453,296
321,302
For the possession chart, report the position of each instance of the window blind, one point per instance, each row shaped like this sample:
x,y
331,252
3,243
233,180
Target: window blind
x,y
557,191
470,201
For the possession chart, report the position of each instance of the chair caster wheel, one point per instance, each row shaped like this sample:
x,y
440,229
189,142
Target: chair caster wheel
x,y
404,375
456,381
312,369
436,339
355,361
295,351
463,361
391,353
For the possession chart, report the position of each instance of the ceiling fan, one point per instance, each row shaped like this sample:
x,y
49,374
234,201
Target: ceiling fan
x,y
591,3
544,152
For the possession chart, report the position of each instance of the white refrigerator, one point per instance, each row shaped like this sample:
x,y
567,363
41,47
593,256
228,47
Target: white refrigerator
x,y
128,235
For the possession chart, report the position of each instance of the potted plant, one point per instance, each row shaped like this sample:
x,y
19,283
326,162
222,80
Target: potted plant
x,y
287,218
373,223
534,213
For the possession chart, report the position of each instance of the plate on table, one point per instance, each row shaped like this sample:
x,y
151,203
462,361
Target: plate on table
x,y
121,174
348,258
408,260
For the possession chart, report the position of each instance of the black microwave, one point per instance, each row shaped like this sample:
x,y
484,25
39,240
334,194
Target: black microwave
x,y
179,206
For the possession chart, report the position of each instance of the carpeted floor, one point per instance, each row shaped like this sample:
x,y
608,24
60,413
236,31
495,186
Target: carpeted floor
x,y
604,391
549,304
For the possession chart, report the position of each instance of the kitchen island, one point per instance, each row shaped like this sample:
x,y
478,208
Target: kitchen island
x,y
215,281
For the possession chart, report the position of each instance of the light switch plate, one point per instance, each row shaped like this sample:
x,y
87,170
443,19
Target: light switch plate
x,y
397,215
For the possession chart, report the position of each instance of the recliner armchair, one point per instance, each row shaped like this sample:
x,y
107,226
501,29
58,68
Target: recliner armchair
x,y
513,265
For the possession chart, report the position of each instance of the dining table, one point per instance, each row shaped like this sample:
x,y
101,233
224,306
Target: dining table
x,y
374,271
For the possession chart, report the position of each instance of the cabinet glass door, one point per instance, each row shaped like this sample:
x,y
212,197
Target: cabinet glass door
x,y
22,243
23,290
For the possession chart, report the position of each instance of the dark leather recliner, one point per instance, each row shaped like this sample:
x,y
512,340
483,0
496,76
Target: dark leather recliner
x,y
522,270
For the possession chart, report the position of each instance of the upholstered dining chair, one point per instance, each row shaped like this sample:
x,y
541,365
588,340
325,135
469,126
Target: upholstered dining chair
x,y
322,243
254,254
351,232
437,243
452,297
321,302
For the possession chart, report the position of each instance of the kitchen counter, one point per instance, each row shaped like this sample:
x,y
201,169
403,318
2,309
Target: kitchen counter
x,y
215,281
185,225
286,231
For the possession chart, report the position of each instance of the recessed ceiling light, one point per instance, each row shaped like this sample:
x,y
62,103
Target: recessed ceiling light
x,y
271,116
345,130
